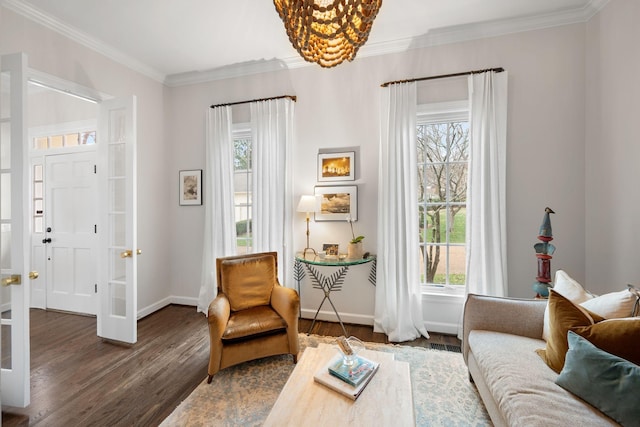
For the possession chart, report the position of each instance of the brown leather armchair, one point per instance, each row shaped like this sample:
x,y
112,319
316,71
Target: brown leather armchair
x,y
252,316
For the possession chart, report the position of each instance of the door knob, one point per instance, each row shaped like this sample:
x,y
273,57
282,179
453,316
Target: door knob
x,y
128,253
33,275
47,240
14,279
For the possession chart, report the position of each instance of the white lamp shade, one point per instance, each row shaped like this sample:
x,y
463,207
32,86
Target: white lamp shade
x,y
309,204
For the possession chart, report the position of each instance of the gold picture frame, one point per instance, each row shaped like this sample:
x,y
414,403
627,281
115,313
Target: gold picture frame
x,y
337,166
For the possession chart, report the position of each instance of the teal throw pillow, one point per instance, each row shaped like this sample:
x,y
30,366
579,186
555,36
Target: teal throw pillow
x,y
608,382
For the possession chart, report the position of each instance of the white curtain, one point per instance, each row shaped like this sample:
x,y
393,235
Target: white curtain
x,y
486,217
272,138
219,225
398,306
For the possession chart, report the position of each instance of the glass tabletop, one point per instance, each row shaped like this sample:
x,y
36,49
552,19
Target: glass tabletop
x,y
332,260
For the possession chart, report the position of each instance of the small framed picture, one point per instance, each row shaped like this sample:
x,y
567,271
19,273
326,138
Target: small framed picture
x,y
337,166
331,249
337,203
191,187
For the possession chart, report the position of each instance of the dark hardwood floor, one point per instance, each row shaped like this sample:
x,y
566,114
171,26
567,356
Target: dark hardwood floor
x,y
77,379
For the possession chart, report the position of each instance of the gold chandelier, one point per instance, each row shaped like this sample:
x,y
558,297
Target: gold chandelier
x,y
327,31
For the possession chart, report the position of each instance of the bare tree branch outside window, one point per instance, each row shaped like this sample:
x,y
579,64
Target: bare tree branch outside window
x,y
443,156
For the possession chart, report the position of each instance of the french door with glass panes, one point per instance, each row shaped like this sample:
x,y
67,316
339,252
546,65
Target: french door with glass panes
x,y
14,259
117,228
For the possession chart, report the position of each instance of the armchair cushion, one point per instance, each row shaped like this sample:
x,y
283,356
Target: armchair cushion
x,y
248,282
253,322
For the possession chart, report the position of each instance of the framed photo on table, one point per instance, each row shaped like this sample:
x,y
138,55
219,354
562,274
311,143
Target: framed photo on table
x,y
337,166
191,187
337,203
331,249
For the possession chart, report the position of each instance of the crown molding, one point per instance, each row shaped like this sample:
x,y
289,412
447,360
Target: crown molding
x,y
439,36
36,15
467,32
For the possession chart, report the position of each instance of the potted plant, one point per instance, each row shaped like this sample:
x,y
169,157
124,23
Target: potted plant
x,y
354,249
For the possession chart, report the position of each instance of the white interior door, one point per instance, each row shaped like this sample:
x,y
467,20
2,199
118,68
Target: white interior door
x,y
14,251
70,233
118,257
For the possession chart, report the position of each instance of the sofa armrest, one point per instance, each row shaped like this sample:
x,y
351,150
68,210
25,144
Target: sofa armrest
x,y
524,317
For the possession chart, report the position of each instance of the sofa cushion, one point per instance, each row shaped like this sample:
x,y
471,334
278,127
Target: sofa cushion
x,y
620,337
613,305
523,386
608,382
570,288
563,315
609,306
248,282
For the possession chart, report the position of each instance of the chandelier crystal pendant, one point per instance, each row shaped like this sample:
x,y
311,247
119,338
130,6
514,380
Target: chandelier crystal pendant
x,y
327,31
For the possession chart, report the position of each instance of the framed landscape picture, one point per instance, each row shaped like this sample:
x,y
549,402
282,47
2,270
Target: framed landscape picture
x,y
191,187
337,166
337,202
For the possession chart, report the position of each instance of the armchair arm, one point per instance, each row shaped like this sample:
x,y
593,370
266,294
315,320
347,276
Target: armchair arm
x,y
286,302
218,316
522,317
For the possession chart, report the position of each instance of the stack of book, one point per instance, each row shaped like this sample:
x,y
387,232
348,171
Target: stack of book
x,y
348,380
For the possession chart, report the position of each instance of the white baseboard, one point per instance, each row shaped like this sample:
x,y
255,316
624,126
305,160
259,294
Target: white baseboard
x,y
442,328
152,308
330,316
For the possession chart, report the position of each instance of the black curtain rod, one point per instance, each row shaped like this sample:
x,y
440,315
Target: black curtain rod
x,y
291,97
444,76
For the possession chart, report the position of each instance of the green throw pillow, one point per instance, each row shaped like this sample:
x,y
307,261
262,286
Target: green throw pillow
x,y
608,382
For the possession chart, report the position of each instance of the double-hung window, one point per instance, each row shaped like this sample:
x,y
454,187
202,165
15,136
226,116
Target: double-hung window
x,y
242,188
443,162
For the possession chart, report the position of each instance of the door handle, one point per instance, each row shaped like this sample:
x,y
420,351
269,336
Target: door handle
x,y
14,279
47,240
128,253
33,275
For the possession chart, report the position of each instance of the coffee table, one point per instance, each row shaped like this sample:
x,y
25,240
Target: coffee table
x,y
387,400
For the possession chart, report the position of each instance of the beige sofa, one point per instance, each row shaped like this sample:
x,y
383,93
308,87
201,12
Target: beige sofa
x,y
500,336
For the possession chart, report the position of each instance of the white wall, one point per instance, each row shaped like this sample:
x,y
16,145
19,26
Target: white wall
x,y
571,147
612,207
54,54
340,107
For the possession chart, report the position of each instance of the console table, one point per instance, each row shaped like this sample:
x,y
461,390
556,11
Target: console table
x,y
331,283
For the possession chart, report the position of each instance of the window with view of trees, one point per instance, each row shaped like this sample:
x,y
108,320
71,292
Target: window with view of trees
x,y
242,189
443,161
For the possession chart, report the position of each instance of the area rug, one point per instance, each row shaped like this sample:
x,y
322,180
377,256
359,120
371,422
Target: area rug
x,y
243,395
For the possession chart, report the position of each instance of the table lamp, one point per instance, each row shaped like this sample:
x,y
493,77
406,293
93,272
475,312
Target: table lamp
x,y
308,204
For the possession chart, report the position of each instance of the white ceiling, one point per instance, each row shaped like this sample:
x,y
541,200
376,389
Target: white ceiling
x,y
167,39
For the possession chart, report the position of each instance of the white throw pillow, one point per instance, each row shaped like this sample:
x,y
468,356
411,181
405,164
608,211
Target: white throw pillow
x,y
570,289
613,305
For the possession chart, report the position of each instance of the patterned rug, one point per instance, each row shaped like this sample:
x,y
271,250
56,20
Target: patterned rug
x,y
243,395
